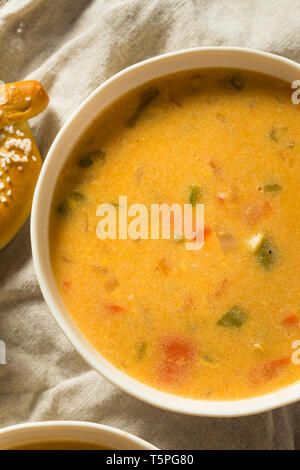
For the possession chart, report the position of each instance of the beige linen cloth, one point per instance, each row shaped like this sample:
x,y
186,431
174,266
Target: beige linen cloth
x,y
72,46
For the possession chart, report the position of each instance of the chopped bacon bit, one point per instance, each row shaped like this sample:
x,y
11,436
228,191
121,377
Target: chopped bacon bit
x,y
256,211
268,370
178,352
112,308
292,320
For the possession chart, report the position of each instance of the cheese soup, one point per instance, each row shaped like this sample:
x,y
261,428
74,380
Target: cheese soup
x,y
215,323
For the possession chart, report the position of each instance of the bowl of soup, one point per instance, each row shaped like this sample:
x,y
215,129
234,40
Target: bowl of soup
x,y
68,435
206,329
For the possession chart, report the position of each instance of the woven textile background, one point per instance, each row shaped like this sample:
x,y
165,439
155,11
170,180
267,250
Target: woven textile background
x,y
72,46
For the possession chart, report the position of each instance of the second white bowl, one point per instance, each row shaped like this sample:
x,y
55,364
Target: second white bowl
x,y
105,436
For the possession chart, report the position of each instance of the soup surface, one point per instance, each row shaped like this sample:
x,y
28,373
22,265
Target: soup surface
x,y
60,445
214,323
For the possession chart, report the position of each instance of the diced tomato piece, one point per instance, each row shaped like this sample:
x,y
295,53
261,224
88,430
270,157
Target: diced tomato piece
x,y
268,370
176,348
292,320
178,353
206,234
112,308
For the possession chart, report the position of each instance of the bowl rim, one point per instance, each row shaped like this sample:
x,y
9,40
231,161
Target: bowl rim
x,y
150,395
109,431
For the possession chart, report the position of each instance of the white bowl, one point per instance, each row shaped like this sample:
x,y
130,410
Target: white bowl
x,y
104,95
106,436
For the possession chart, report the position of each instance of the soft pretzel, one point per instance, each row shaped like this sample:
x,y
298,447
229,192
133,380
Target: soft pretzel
x,y
20,159
20,101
